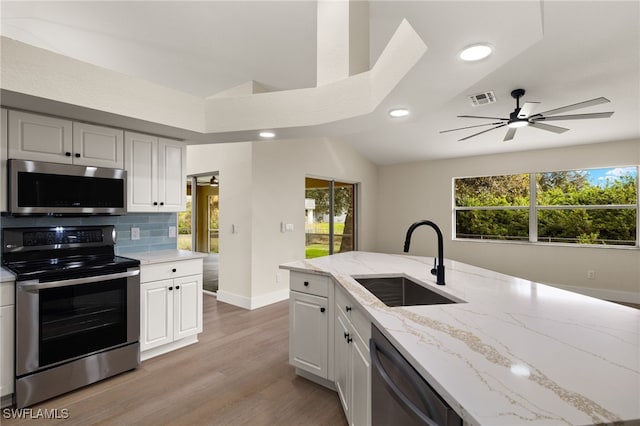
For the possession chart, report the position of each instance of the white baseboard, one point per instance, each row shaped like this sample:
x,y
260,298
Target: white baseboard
x,y
604,294
252,302
160,350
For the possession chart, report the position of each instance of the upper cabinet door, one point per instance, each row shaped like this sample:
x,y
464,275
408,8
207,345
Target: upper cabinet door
x,y
98,146
141,164
172,182
39,138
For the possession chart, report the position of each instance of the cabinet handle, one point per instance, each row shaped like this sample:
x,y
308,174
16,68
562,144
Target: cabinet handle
x,y
174,270
348,308
177,287
77,155
346,334
67,154
170,288
349,340
322,309
306,283
162,203
155,203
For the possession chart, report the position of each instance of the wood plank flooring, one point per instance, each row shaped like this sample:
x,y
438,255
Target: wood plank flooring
x,y
238,374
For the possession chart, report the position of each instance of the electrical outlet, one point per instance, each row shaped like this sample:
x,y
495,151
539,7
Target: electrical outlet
x,y
172,232
591,274
135,233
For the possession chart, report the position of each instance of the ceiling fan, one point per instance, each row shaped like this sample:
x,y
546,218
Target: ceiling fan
x,y
522,117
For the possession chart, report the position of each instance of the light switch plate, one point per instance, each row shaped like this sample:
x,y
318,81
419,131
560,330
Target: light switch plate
x,y
172,232
135,233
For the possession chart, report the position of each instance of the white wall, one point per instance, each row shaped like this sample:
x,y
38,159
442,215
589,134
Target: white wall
x,y
262,185
423,190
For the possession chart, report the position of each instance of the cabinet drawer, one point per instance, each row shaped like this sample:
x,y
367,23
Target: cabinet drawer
x,y
354,313
168,270
309,283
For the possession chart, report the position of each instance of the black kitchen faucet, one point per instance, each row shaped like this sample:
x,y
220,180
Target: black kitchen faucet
x,y
437,270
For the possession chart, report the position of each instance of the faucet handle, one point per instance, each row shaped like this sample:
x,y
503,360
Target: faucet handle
x,y
434,271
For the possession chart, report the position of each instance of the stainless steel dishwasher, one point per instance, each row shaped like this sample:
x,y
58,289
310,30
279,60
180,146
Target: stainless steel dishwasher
x,y
399,394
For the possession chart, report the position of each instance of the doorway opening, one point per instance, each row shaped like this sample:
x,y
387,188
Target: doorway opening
x,y
330,217
198,225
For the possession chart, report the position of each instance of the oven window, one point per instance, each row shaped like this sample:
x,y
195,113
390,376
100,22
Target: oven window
x,y
78,320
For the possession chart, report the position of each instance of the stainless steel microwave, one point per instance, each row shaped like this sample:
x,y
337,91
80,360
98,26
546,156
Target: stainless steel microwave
x,y
40,188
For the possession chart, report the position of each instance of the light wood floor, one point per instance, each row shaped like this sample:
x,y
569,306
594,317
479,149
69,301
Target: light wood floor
x,y
238,374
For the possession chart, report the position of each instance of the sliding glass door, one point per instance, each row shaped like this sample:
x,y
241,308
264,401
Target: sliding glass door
x,y
330,217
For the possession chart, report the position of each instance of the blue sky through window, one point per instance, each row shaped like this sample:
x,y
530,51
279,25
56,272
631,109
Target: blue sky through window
x,y
600,177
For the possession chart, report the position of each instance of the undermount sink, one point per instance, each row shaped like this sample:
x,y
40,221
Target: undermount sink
x,y
401,291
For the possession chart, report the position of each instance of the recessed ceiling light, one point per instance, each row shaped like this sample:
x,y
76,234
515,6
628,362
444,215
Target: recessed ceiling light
x,y
399,112
476,52
267,134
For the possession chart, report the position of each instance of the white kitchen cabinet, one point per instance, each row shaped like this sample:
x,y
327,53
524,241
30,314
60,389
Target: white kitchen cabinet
x,y
40,138
310,324
98,146
7,321
171,306
352,361
4,131
43,138
155,173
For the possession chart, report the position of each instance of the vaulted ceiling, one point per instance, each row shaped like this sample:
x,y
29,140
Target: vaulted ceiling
x,y
559,52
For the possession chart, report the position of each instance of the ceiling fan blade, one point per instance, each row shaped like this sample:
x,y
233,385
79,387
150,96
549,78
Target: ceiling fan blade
x,y
527,109
574,116
510,134
548,127
484,131
469,127
486,118
592,102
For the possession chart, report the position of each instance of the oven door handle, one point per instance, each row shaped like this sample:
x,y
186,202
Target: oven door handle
x,y
33,286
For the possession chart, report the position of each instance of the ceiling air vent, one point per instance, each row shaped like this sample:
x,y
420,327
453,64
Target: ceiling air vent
x,y
483,98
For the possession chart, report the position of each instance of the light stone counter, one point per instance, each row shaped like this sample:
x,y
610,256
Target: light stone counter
x,y
162,256
6,275
516,353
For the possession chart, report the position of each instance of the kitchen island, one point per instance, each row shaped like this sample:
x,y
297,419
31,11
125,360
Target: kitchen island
x,y
511,351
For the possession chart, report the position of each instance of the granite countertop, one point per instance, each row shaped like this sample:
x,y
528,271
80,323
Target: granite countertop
x,y
516,352
162,256
6,275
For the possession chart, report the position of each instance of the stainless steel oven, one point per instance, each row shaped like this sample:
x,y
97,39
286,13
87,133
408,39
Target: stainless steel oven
x,y
77,309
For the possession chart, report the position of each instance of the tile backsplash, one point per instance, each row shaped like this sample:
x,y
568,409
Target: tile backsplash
x,y
154,228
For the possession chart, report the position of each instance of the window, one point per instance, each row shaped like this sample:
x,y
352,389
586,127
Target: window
x,y
594,206
330,212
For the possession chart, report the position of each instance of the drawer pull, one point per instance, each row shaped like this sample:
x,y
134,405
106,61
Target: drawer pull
x,y
346,335
349,340
306,283
170,288
77,155
177,287
174,270
322,309
348,308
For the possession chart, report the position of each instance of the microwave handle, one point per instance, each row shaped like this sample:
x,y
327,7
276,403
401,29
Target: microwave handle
x,y
33,286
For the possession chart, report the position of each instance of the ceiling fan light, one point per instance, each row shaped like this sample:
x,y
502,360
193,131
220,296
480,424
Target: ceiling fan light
x,y
476,52
518,123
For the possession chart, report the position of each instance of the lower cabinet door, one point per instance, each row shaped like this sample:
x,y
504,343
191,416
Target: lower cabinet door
x,y
7,372
188,306
308,333
156,314
361,383
342,362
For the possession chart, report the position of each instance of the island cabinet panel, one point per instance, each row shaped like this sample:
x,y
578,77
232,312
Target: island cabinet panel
x,y
171,306
352,362
308,329
4,133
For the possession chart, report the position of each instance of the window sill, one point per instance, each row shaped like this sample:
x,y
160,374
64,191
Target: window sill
x,y
541,244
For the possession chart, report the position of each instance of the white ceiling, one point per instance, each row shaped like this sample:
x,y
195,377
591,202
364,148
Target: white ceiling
x,y
560,52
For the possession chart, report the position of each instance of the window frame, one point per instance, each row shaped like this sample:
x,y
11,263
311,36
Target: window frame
x,y
534,208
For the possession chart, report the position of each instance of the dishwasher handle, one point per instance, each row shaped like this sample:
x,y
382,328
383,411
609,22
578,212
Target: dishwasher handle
x,y
396,392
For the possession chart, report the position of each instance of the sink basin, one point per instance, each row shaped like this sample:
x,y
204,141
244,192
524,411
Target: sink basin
x,y
401,291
